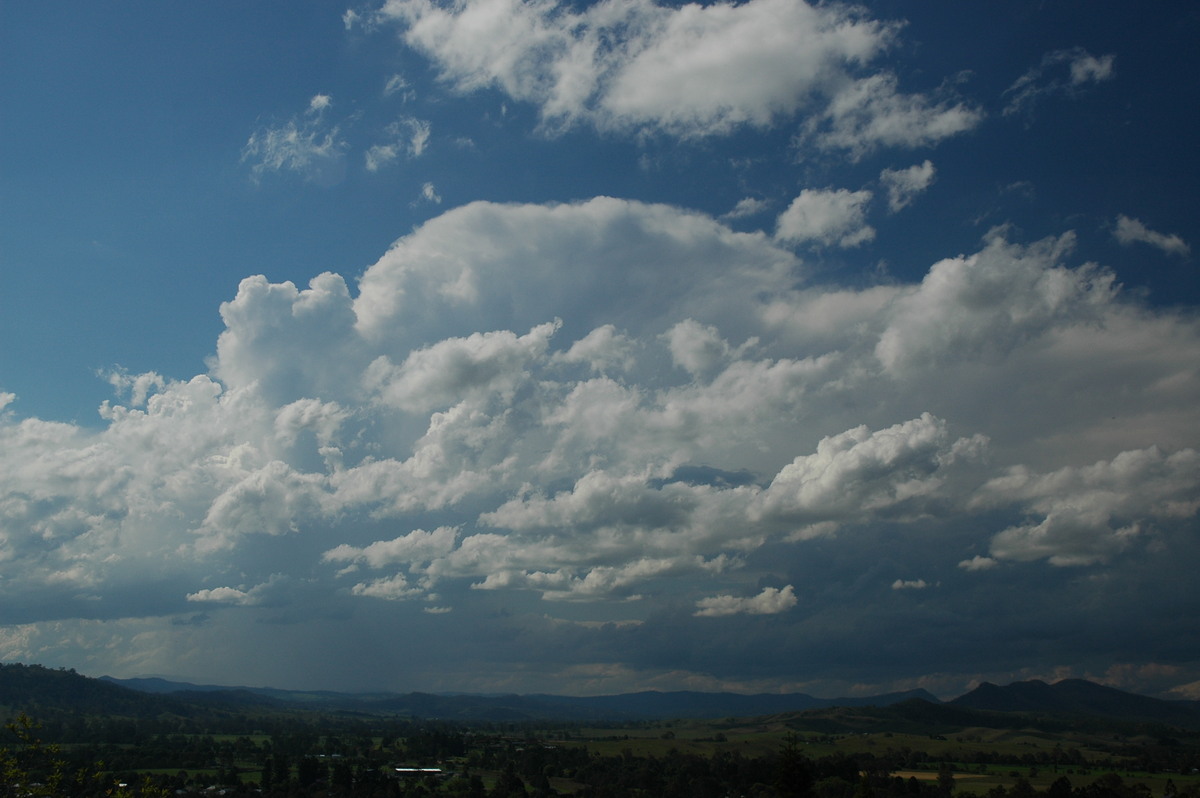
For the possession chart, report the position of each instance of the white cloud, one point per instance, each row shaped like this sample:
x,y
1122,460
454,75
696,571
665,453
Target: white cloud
x,y
599,582
1060,72
222,595
903,185
1086,68
871,113
891,471
984,305
394,588
698,348
415,547
395,84
688,71
827,216
429,194
307,145
439,430
1130,231
747,206
139,386
603,349
909,584
486,266
406,136
770,601
710,68
1084,515
457,369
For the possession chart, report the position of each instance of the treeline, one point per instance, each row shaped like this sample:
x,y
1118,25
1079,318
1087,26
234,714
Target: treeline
x,y
304,761
1163,756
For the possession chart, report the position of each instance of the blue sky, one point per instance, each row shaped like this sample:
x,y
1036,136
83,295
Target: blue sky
x,y
598,347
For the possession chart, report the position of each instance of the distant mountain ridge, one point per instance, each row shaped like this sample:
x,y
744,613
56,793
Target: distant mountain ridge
x,y
648,705
38,690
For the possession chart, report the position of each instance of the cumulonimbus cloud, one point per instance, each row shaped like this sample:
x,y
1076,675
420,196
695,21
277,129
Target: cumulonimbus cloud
x,y
615,403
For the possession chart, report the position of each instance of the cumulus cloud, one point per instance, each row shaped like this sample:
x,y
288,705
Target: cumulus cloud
x,y
827,216
416,546
688,71
1088,514
393,588
290,343
770,601
449,371
607,402
894,470
909,584
227,595
1059,72
984,305
603,349
903,185
698,348
634,265
1130,231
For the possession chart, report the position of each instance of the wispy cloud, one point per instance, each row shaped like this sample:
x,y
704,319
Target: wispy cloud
x,y
746,207
1060,72
1132,231
903,185
406,136
305,144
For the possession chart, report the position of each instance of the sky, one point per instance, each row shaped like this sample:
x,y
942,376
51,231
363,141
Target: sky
x,y
587,348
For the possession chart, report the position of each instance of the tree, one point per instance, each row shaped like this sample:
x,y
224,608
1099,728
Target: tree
x,y
33,769
1061,788
509,785
794,776
36,770
945,780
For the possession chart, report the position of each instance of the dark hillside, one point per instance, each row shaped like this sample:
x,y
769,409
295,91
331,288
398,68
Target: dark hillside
x,y
1078,697
39,691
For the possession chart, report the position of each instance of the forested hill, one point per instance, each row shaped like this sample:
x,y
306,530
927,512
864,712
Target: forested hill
x,y
39,691
1079,697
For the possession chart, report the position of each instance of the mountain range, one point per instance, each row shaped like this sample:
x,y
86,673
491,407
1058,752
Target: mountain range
x,y
647,705
38,690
